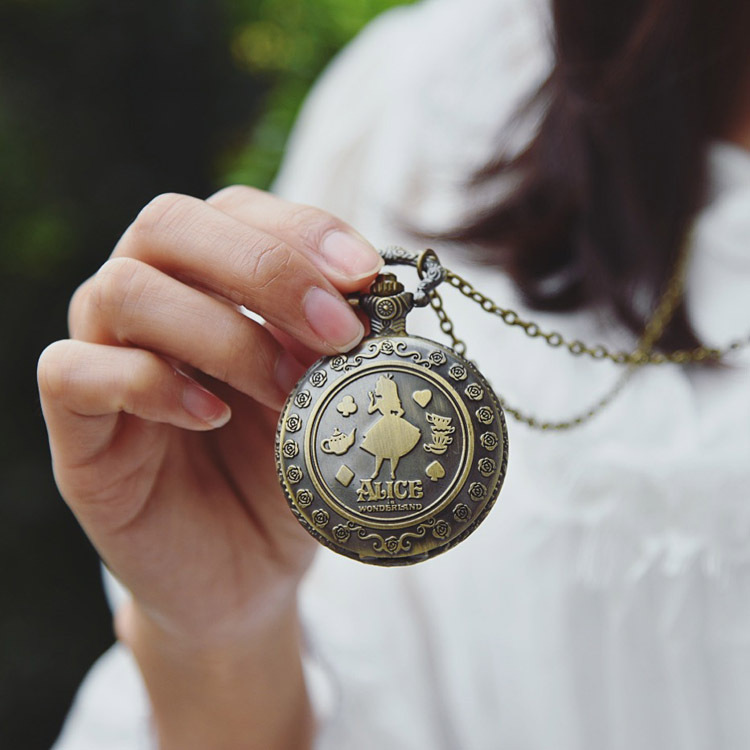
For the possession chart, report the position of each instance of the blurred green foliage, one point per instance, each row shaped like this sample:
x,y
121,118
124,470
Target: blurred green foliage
x,y
104,104
287,42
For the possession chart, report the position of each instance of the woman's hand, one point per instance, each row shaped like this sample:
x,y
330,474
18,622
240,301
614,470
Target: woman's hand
x,y
162,407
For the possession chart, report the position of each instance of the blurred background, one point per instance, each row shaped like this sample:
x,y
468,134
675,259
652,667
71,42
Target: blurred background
x,y
104,104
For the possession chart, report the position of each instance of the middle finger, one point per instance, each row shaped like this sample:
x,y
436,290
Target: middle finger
x,y
191,240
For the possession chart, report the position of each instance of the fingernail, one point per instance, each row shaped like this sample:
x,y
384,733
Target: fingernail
x,y
288,372
332,319
350,255
205,406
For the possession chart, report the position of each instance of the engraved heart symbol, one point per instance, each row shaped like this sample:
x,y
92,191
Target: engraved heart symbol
x,y
422,397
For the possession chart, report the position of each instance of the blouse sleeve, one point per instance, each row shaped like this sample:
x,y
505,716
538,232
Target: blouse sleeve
x,y
326,151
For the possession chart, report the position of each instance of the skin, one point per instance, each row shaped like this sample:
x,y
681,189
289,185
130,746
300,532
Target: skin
x,y
161,410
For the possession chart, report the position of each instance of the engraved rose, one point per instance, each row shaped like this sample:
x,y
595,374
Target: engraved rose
x,y
386,347
486,466
391,544
477,490
304,498
339,362
437,358
474,391
303,399
320,517
441,529
458,372
462,512
488,440
485,415
340,533
318,378
294,474
293,422
290,449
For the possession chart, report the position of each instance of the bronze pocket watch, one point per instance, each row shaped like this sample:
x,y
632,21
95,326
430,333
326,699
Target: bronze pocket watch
x,y
395,451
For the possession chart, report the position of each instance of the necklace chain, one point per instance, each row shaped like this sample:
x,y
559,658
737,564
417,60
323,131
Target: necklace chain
x,y
643,354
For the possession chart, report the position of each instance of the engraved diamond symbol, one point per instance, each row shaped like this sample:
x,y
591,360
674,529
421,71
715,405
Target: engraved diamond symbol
x,y
345,475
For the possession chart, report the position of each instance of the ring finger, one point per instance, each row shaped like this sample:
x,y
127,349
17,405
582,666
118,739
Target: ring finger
x,y
130,303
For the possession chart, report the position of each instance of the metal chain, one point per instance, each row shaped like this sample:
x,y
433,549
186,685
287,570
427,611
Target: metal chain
x,y
642,355
639,356
459,346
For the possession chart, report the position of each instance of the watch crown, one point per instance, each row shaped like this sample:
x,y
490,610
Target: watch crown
x,y
385,285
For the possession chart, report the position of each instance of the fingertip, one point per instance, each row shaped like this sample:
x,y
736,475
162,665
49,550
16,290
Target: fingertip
x,y
351,255
332,319
204,406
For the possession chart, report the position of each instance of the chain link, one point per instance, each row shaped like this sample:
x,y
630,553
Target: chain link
x,y
642,355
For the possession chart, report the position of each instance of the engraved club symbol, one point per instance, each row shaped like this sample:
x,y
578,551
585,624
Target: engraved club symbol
x,y
392,436
347,406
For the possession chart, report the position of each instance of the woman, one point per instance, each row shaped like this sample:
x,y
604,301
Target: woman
x,y
604,603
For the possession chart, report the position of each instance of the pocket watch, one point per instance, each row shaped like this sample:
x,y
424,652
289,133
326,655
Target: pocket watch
x,y
395,451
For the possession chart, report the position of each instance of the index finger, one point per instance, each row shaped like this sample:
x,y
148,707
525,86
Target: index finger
x,y
188,239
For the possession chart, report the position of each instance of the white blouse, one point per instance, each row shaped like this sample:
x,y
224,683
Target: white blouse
x,y
605,602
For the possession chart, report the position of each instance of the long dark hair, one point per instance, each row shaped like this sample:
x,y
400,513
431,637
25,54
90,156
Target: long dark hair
x,y
609,184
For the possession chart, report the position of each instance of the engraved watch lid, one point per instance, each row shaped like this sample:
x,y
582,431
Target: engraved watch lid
x,y
393,452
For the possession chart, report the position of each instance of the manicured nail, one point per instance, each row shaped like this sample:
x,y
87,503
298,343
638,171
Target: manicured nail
x,y
288,372
332,319
350,255
205,406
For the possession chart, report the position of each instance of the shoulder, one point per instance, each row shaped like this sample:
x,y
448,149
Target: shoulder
x,y
342,107
412,106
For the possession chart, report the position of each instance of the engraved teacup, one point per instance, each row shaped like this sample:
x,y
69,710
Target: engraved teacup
x,y
440,443
440,423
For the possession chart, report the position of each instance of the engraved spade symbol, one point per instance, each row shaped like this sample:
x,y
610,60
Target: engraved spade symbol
x,y
435,471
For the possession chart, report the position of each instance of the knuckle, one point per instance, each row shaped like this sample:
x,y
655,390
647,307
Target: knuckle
x,y
234,360
264,360
245,355
78,305
264,264
233,195
144,374
113,284
56,371
312,224
121,293
161,216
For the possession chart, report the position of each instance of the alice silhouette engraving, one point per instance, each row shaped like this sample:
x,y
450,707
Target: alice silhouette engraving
x,y
391,436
